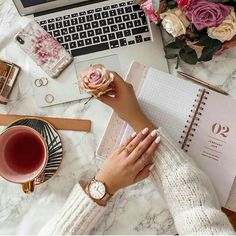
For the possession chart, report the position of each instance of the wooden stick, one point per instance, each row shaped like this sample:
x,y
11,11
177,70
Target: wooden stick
x,y
58,123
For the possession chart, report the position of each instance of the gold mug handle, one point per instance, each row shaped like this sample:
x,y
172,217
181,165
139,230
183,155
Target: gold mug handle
x,y
28,187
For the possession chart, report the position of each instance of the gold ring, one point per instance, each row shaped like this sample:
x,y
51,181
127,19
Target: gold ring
x,y
44,81
38,82
49,98
127,151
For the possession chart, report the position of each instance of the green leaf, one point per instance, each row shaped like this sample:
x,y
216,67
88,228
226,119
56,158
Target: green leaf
x,y
171,55
205,40
172,4
208,52
177,63
188,57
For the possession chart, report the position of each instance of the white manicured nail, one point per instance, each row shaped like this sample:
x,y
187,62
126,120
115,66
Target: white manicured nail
x,y
145,131
151,167
158,139
154,133
133,135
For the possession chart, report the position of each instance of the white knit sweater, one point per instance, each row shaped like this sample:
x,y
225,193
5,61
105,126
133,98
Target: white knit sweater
x,y
187,190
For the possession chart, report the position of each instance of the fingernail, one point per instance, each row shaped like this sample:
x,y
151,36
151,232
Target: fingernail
x,y
151,167
154,133
145,131
158,139
133,135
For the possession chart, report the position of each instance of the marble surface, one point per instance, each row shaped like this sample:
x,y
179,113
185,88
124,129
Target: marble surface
x,y
136,210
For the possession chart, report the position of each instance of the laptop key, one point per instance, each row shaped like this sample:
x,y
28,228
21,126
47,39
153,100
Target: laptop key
x,y
43,22
60,39
88,41
114,44
114,28
97,16
66,23
59,25
106,30
90,33
75,36
82,13
80,43
102,22
118,19
51,20
58,18
96,39
51,27
105,14
138,39
110,21
106,8
147,39
130,3
127,33
129,24
66,46
74,15
120,11
103,38
82,19
140,30
72,30
98,9
131,42
111,36
67,38
74,21
137,23
90,11
123,42
64,31
114,6
83,35
126,17
56,33
136,7
87,26
133,16
121,26
122,4
73,45
112,12
89,18
128,9
79,28
119,35
66,17
98,31
95,24
90,49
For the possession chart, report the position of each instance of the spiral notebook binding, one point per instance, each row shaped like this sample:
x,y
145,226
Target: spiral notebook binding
x,y
194,117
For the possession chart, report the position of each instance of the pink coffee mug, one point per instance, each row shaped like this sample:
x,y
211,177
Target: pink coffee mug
x,y
23,156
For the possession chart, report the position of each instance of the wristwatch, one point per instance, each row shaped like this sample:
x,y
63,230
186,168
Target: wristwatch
x,y
98,192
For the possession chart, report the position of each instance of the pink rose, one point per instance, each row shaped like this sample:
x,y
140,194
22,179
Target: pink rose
x,y
207,14
149,11
96,80
184,4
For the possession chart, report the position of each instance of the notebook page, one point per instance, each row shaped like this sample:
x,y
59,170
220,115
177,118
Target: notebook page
x,y
214,143
167,101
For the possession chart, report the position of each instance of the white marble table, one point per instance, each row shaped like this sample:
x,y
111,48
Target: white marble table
x,y
137,210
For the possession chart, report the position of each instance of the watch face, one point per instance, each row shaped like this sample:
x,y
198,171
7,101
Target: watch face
x,y
97,190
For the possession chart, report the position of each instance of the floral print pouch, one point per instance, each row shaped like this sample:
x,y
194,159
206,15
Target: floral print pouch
x,y
46,51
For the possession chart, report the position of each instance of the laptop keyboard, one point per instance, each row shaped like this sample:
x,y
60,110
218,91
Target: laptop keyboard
x,y
98,29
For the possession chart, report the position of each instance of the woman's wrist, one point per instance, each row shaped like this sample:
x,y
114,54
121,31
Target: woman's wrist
x,y
140,122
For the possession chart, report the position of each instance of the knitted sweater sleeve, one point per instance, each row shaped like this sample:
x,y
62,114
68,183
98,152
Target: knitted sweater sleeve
x,y
188,191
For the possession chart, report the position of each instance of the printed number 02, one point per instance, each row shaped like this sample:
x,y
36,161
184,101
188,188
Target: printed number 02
x,y
219,129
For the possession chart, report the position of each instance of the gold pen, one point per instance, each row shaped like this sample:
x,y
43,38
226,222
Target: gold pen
x,y
210,86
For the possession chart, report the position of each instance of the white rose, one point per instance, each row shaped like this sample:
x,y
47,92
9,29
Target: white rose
x,y
226,30
174,22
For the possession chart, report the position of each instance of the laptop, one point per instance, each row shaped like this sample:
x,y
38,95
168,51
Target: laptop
x,y
113,33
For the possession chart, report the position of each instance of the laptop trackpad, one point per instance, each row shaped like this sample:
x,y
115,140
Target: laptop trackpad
x,y
110,62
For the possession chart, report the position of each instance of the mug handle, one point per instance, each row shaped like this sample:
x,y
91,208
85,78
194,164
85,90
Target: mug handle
x,y
28,187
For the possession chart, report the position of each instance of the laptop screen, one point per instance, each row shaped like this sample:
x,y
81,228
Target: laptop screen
x,y
26,7
30,3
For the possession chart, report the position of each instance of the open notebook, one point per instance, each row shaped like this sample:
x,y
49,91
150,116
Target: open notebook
x,y
200,120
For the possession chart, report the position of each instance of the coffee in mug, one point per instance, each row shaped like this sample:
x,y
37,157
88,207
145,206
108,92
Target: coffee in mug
x,y
23,155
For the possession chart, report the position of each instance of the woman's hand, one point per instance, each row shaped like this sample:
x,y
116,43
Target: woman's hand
x,y
124,102
131,162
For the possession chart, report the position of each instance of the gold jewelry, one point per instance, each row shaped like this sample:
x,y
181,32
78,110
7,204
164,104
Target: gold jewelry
x,y
41,82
